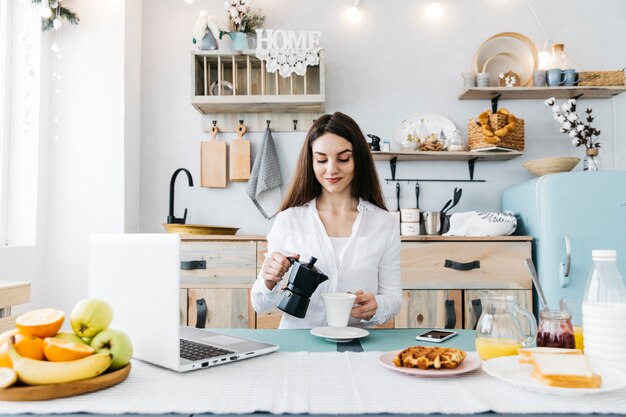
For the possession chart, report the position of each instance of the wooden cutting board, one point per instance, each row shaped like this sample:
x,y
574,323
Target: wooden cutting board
x,y
240,156
213,162
67,389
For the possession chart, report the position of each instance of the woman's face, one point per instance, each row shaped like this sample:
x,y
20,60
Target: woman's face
x,y
333,163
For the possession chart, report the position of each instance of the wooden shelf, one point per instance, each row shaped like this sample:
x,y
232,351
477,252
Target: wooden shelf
x,y
446,156
249,88
532,93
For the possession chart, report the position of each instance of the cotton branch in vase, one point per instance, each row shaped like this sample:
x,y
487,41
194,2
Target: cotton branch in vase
x,y
241,17
578,129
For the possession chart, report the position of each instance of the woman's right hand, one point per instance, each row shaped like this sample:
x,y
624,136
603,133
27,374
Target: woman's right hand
x,y
274,268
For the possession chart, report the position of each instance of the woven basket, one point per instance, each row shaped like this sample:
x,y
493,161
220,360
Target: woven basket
x,y
514,140
601,78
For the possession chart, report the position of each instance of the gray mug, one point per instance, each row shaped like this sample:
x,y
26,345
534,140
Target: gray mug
x,y
539,78
570,77
555,77
432,222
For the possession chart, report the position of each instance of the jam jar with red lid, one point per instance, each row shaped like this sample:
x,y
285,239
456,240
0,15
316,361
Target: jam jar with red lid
x,y
555,329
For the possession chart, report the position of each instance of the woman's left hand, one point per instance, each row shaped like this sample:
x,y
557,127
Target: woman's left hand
x,y
367,305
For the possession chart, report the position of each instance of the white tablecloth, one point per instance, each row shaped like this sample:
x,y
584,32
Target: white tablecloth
x,y
315,383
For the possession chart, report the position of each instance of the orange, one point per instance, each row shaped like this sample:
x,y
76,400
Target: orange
x,y
60,350
29,346
42,323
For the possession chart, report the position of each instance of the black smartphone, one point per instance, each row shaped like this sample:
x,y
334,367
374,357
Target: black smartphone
x,y
436,335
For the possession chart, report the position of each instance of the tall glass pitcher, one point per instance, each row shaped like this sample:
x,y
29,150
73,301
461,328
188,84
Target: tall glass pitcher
x,y
499,331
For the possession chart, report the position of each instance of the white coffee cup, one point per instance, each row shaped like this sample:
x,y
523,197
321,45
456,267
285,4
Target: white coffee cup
x,y
337,306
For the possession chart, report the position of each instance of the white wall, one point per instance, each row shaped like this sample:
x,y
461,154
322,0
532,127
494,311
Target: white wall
x,y
86,172
394,64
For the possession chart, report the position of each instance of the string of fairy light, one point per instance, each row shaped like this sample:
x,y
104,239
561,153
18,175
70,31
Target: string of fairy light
x,y
52,12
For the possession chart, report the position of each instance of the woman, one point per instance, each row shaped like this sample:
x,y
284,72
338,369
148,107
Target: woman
x,y
334,211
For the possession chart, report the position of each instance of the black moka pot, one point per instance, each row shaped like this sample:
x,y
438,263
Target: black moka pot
x,y
303,281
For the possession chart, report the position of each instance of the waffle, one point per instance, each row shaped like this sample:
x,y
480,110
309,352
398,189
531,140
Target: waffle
x,y
424,357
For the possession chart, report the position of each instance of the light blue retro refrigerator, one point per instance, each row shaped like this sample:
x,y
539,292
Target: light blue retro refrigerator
x,y
568,215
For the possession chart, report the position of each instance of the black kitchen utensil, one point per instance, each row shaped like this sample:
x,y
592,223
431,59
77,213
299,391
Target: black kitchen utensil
x,y
455,199
445,219
398,194
417,195
303,281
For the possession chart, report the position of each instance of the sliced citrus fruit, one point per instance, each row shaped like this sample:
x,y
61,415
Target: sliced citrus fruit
x,y
29,346
61,350
8,377
42,323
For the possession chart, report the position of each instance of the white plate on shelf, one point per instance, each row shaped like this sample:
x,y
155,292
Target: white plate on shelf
x,y
508,368
469,364
339,334
435,123
512,43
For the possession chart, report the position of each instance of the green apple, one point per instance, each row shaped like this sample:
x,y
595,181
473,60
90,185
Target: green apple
x,y
116,343
72,337
91,316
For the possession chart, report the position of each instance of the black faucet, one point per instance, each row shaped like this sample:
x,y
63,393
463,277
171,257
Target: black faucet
x,y
170,218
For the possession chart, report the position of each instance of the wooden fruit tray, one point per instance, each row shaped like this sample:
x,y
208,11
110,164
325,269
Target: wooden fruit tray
x,y
67,389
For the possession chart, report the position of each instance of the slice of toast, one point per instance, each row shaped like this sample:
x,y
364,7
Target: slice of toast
x,y
568,371
525,354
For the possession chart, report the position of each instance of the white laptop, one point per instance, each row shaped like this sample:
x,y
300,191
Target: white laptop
x,y
139,276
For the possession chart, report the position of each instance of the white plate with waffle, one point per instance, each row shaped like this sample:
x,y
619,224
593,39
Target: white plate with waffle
x,y
469,364
508,368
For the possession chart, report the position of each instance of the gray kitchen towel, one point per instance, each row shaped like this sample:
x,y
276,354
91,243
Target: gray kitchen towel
x,y
265,179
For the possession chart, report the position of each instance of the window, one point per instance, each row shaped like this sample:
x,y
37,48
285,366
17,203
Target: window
x,y
5,55
20,79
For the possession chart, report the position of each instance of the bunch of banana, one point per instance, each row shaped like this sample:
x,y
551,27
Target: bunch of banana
x,y
36,372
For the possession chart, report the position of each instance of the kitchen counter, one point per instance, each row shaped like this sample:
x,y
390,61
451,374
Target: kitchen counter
x,y
309,376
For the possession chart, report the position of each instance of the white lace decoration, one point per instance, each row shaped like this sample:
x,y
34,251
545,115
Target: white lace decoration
x,y
288,61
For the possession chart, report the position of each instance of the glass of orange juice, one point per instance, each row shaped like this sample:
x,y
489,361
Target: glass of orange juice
x,y
575,308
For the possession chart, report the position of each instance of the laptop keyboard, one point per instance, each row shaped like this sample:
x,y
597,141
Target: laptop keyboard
x,y
196,351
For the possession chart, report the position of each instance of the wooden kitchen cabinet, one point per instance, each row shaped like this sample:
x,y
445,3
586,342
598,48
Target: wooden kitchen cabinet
x,y
221,272
226,307
442,277
440,270
431,308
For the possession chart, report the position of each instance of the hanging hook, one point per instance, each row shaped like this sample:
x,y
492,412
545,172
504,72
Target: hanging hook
x,y
240,121
214,123
295,124
268,123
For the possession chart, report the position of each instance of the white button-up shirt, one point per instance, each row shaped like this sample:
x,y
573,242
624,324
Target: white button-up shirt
x,y
370,262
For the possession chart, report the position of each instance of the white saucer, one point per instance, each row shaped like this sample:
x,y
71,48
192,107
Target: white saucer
x,y
339,334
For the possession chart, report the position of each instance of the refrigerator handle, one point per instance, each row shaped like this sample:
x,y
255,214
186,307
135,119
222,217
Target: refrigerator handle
x,y
564,269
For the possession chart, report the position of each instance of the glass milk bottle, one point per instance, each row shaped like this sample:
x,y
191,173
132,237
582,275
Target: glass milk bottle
x,y
604,311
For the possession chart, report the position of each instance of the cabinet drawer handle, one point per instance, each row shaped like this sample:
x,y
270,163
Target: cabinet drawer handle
x,y
460,266
450,314
189,265
201,313
478,310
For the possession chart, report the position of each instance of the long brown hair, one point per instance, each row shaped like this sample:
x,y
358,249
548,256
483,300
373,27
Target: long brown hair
x,y
304,186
